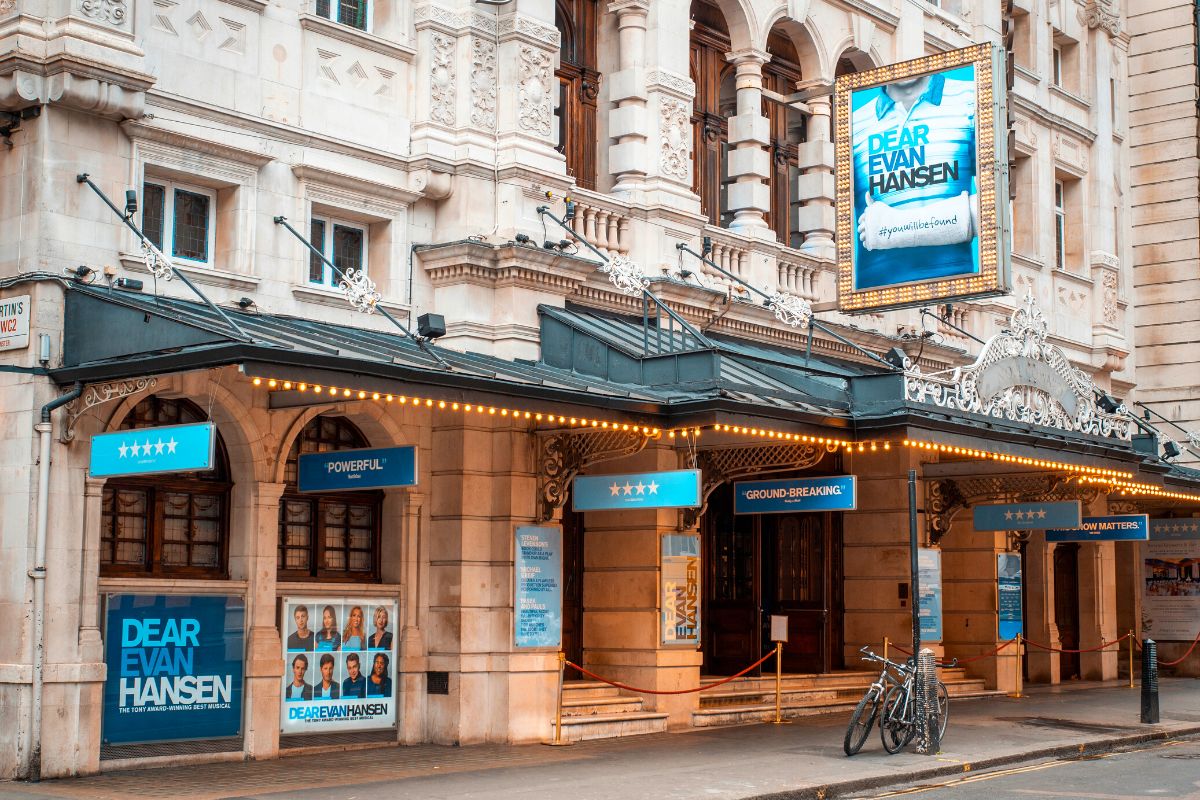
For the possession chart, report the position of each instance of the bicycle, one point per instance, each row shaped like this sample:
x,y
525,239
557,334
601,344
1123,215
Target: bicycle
x,y
867,709
898,727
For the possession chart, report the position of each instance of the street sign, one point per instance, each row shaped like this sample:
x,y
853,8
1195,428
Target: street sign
x,y
1028,516
833,493
672,489
152,451
14,322
349,470
1119,528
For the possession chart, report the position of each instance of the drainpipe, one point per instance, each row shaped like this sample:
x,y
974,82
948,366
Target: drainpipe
x,y
32,769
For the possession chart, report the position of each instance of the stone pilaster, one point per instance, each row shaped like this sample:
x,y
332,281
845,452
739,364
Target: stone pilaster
x,y
527,91
815,189
264,662
749,164
1039,614
1097,610
412,662
627,155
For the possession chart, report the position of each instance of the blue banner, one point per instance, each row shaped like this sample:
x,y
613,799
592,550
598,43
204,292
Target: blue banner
x,y
347,470
174,667
1028,516
674,489
929,574
147,451
537,576
834,493
1118,528
1163,529
1009,616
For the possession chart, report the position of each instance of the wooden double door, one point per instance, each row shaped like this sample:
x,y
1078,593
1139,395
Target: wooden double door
x,y
760,565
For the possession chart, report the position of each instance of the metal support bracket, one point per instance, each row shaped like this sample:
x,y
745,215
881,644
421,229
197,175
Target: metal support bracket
x,y
946,497
564,454
99,394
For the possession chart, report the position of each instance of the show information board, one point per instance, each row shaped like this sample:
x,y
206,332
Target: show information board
x,y
680,589
1171,580
537,582
153,451
175,665
1116,528
787,495
923,214
669,489
929,571
1010,616
339,664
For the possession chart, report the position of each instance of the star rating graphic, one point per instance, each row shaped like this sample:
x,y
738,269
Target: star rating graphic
x,y
147,448
631,489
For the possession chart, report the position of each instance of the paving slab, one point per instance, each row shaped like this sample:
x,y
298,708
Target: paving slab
x,y
800,760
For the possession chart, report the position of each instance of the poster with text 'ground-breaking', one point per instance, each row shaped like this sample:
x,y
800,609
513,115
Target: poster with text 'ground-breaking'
x,y
339,664
1171,581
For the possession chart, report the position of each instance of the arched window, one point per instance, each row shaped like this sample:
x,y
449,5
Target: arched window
x,y
328,534
167,525
578,87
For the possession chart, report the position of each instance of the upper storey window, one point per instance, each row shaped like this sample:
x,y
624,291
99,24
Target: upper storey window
x,y
578,87
355,13
179,219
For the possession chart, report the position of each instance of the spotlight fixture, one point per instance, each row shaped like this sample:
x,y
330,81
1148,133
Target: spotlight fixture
x,y
130,203
523,238
1107,403
129,284
707,247
245,303
896,357
81,272
431,326
1170,450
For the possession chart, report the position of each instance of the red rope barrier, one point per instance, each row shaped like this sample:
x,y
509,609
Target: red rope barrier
x,y
702,688
1185,655
1102,646
961,660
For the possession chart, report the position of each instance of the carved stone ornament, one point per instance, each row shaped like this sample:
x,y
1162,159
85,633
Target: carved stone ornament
x,y
7,6
483,84
360,291
441,80
536,107
1103,14
114,12
789,309
626,275
676,120
1110,299
1020,376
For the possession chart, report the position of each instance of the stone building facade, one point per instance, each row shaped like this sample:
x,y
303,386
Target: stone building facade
x,y
416,141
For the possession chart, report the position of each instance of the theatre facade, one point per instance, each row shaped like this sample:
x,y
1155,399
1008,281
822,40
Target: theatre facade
x,y
349,427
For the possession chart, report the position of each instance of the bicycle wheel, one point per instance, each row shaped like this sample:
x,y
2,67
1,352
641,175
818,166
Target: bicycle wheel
x,y
895,729
861,721
943,705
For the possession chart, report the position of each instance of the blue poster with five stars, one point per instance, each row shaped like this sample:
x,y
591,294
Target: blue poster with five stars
x,y
149,451
671,489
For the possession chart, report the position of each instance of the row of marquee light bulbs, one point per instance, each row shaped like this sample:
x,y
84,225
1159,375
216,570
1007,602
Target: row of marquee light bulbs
x,y
1115,479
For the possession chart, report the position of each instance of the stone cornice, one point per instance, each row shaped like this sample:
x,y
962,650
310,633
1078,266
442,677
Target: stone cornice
x,y
140,131
373,189
1053,121
509,265
349,35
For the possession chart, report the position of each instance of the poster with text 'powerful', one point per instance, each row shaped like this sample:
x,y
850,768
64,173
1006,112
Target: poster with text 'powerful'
x,y
175,667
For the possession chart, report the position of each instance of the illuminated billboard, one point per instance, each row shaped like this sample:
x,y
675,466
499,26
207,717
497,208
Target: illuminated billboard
x,y
922,181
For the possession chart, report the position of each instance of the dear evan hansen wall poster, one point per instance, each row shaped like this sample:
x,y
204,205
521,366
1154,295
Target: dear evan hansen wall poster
x,y
918,219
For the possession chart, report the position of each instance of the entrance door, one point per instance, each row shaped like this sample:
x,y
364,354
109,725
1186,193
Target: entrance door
x,y
1066,607
572,621
761,565
795,561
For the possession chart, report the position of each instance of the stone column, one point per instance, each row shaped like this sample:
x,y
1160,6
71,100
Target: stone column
x,y
815,188
1097,610
1039,614
627,88
412,662
749,164
264,653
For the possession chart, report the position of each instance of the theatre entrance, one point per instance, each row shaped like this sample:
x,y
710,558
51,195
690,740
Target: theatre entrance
x,y
759,565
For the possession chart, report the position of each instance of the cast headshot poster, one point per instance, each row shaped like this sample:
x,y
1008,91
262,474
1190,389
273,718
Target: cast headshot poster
x,y
916,195
340,657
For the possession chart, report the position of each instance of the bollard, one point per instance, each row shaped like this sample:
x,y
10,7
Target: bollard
x,y
1149,682
925,702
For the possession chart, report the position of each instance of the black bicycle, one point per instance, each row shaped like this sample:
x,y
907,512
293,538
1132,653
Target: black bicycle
x,y
891,677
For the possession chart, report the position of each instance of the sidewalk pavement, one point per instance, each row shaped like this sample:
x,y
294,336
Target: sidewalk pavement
x,y
800,760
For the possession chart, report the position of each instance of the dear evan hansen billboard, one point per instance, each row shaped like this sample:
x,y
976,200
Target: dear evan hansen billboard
x,y
924,147
175,666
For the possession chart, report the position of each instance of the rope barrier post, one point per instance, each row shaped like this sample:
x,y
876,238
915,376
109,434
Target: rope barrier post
x,y
779,683
562,668
1017,672
1149,682
1131,644
885,647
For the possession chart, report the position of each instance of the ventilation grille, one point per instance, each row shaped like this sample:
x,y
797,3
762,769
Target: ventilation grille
x,y
437,682
115,752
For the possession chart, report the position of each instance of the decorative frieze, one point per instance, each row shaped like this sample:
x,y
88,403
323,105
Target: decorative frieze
x,y
442,80
529,29
536,104
672,83
676,122
483,84
110,12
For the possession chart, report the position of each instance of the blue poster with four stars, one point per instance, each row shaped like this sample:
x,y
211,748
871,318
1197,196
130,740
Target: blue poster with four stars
x,y
1028,516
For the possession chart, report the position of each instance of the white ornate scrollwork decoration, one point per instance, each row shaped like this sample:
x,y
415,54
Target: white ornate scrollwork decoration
x,y
789,309
1194,441
113,12
676,156
99,394
1022,377
441,80
156,262
536,105
360,291
483,84
625,275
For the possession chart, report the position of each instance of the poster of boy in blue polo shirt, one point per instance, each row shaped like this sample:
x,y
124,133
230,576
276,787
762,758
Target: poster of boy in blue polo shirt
x,y
916,194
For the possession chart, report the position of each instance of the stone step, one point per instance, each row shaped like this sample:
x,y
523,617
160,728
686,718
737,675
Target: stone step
x,y
587,706
578,689
713,716
611,726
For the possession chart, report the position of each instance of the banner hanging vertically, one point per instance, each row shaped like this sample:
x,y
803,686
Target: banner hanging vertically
x,y
537,584
922,216
680,589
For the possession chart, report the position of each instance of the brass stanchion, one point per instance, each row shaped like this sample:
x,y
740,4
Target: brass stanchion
x,y
562,668
1131,646
1017,672
886,642
779,720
